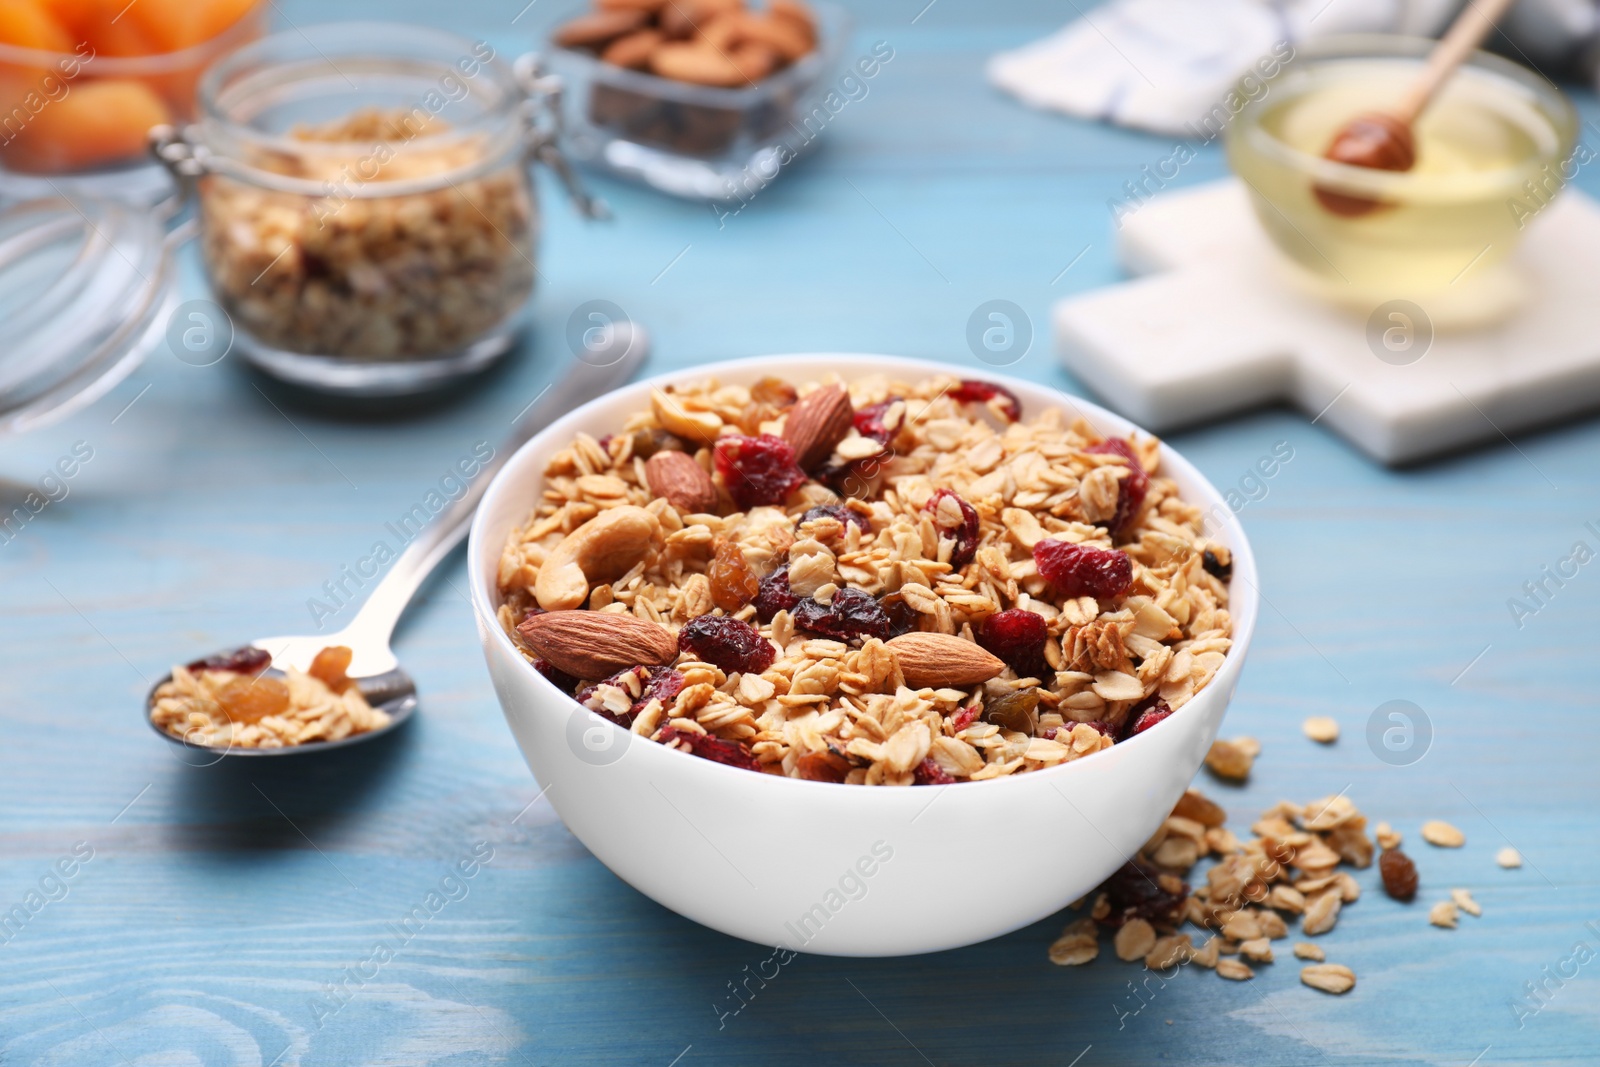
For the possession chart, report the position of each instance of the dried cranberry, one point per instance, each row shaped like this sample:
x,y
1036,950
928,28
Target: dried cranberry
x,y
758,470
845,517
558,678
930,773
246,660
964,718
963,533
664,685
715,749
1078,570
1146,715
869,420
970,391
1136,891
586,695
851,613
1219,570
1018,637
729,643
655,683
774,595
1132,489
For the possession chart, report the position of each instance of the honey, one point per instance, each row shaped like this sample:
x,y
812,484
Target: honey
x,y
1492,150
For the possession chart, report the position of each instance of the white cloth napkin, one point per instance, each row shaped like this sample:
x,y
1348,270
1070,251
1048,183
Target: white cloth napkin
x,y
1159,64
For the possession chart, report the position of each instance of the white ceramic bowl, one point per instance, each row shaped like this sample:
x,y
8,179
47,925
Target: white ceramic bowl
x,y
840,869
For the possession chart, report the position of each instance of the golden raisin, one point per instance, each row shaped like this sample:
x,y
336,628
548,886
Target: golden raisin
x,y
650,440
822,767
247,700
768,399
1399,874
774,391
1017,710
733,584
330,665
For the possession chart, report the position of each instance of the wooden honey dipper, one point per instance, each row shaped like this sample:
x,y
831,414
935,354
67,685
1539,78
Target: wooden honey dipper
x,y
1382,140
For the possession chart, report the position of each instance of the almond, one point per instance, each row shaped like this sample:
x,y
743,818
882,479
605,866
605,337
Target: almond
x,y
786,36
817,423
681,18
937,661
754,60
598,27
591,645
682,482
795,12
721,33
692,61
632,50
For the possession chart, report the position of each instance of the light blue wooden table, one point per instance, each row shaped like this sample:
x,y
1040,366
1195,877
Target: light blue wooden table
x,y
228,915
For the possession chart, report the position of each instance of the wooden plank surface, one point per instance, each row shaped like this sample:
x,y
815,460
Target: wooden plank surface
x,y
230,914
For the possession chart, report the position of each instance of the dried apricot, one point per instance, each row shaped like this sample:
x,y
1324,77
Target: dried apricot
x,y
219,15
122,37
98,122
29,24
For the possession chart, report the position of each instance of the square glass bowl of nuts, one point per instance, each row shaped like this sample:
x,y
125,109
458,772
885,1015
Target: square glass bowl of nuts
x,y
707,99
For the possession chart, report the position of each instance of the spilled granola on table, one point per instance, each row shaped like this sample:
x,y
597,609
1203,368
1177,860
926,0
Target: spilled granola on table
x,y
874,582
1293,867
229,702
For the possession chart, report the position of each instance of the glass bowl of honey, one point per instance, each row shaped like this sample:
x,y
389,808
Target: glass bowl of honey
x,y
1492,151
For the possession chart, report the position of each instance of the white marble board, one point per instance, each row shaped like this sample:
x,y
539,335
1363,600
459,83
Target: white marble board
x,y
1210,328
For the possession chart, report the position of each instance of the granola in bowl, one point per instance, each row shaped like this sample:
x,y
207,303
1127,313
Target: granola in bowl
x,y
868,581
230,701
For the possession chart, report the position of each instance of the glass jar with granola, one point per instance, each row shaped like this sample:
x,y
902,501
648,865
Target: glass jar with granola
x,y
367,217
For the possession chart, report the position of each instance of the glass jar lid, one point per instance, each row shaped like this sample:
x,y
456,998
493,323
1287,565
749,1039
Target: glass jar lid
x,y
84,293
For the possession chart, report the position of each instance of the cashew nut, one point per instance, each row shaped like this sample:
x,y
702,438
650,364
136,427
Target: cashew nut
x,y
602,549
699,426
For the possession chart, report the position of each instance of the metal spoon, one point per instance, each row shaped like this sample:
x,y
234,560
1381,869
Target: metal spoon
x,y
373,667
